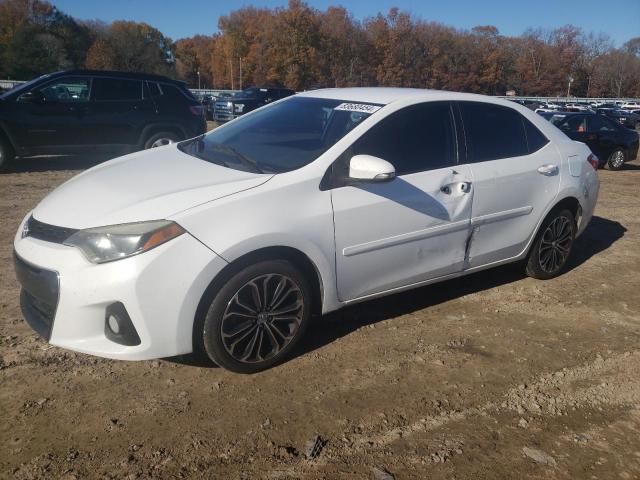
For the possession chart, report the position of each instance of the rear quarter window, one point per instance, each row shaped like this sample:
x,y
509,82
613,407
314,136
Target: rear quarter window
x,y
173,93
535,138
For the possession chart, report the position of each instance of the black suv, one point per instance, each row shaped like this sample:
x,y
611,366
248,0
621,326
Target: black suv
x,y
226,109
97,111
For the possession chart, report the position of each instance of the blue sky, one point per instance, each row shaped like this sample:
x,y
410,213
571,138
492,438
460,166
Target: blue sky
x,y
618,18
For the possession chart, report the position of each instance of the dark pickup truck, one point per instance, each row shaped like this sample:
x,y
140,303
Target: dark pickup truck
x,y
226,109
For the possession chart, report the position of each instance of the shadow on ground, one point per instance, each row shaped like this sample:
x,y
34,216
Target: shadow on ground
x,y
599,236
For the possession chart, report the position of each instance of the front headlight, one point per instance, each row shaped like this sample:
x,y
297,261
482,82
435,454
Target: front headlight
x,y
239,107
105,244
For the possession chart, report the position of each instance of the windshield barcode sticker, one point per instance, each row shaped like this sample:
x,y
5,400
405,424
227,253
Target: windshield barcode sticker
x,y
358,107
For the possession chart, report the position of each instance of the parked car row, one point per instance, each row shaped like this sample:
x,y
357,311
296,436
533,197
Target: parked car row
x,y
228,108
627,117
226,105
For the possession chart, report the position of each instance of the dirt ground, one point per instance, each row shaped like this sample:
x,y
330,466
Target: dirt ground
x,y
490,376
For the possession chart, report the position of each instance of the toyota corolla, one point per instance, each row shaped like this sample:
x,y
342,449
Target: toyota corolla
x,y
227,244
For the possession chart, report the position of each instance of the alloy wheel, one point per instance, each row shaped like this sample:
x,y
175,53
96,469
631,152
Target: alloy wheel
x,y
617,159
161,142
262,318
556,244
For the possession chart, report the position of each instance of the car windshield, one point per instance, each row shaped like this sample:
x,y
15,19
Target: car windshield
x,y
281,137
23,86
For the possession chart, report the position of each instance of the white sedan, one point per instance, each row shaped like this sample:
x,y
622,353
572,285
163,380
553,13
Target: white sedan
x,y
228,243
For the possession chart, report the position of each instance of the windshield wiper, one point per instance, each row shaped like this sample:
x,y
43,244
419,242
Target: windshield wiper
x,y
252,164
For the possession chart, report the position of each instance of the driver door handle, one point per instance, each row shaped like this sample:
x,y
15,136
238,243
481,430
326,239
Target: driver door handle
x,y
464,187
548,170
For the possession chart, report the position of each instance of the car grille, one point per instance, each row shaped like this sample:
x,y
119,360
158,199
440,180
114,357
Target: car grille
x,y
39,295
49,233
222,111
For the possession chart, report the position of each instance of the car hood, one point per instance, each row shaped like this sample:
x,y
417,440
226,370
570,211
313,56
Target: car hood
x,y
149,185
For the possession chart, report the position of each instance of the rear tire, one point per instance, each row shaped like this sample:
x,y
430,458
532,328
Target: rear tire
x,y
552,247
161,139
616,159
257,317
6,155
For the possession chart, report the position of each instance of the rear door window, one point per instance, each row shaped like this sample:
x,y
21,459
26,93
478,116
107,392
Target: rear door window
x,y
493,131
116,89
152,90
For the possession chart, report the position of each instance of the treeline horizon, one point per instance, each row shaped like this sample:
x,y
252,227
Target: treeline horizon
x,y
301,47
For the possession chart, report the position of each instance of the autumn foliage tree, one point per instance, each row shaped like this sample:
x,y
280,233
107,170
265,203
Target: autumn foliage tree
x,y
301,47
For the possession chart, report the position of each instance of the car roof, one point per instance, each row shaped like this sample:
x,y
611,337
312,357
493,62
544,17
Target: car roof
x,y
387,95
112,73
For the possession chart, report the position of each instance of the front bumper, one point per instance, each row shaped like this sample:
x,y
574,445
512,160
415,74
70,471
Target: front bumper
x,y
160,290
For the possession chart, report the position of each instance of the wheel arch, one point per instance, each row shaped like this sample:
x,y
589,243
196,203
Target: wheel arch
x,y
569,202
4,136
293,255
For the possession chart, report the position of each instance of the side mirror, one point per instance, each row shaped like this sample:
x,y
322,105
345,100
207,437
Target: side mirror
x,y
31,97
370,169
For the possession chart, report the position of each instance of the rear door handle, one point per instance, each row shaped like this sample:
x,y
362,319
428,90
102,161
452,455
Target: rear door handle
x,y
549,170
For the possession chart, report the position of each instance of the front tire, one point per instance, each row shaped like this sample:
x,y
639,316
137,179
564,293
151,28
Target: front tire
x,y
616,159
257,317
550,252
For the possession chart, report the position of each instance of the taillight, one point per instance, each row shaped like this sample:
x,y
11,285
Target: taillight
x,y
593,161
197,110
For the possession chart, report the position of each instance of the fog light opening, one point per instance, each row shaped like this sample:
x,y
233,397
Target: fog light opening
x,y
113,323
118,326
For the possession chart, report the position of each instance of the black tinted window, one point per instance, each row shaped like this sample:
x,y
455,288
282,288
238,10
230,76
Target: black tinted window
x,y
173,93
152,89
414,139
67,89
116,89
535,139
493,131
598,124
